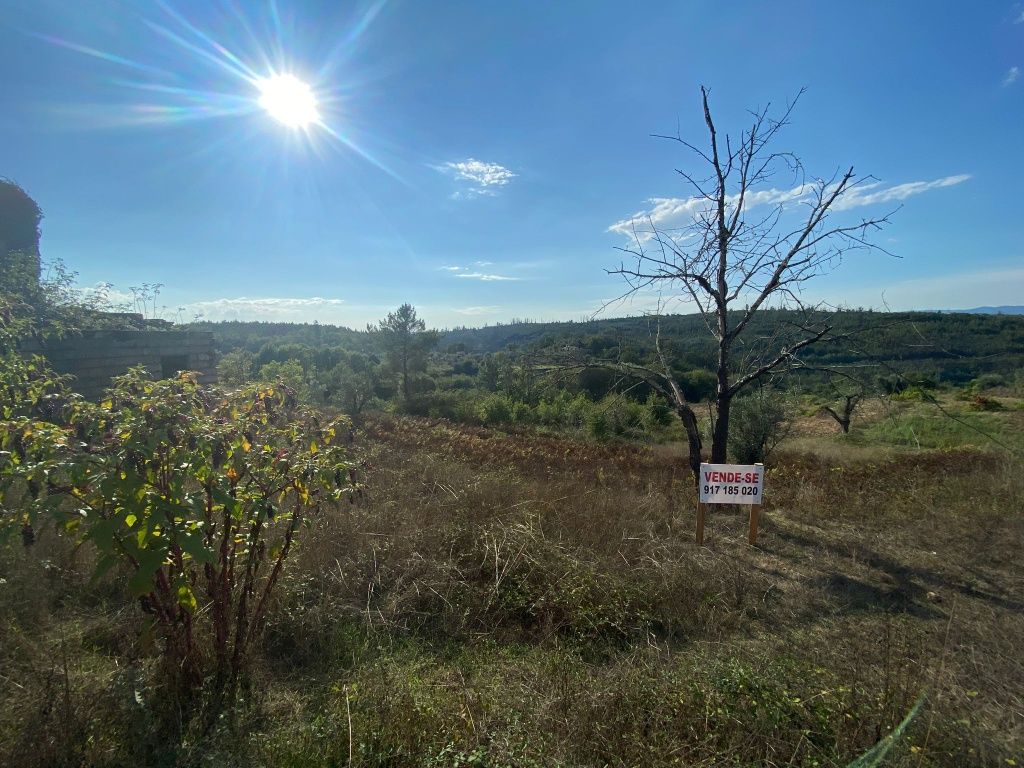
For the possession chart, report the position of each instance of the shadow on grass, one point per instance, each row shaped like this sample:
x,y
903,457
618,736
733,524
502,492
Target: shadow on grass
x,y
909,592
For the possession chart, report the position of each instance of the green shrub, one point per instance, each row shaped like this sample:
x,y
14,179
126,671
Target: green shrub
x,y
988,381
756,425
192,496
598,426
659,413
523,414
495,410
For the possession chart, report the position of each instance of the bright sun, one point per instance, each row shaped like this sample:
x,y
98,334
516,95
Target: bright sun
x,y
288,99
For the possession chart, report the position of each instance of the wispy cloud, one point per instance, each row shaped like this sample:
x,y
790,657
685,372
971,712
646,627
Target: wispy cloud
x,y
485,276
870,194
476,311
475,274
1011,76
668,213
260,308
1019,19
477,177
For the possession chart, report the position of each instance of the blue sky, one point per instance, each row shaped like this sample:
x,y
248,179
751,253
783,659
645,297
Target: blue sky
x,y
474,158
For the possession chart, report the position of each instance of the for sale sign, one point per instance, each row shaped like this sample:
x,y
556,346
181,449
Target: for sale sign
x,y
731,483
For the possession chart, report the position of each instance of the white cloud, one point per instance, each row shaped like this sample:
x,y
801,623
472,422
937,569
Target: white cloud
x,y
482,178
259,308
668,213
1019,19
1011,76
475,311
107,294
869,194
485,277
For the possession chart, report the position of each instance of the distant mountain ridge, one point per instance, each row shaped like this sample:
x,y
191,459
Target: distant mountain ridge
x,y
1010,309
950,346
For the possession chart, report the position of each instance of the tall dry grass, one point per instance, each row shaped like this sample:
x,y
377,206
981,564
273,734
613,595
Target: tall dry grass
x,y
499,599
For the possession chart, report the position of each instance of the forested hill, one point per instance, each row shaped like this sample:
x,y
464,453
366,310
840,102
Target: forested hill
x,y
949,346
952,347
253,335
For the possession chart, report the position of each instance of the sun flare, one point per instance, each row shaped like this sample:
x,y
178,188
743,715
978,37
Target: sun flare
x,y
288,100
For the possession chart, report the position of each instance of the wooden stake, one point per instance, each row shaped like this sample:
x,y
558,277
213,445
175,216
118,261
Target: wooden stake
x,y
755,510
700,524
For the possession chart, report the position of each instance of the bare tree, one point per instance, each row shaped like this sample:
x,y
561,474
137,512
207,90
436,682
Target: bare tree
x,y
844,415
748,247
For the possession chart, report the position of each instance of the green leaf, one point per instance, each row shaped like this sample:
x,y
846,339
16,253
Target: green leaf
x,y
102,533
142,582
186,598
194,543
105,564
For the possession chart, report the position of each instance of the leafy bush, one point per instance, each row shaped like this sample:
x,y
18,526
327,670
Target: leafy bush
x,y
287,372
495,410
192,496
988,381
698,384
757,424
235,367
598,426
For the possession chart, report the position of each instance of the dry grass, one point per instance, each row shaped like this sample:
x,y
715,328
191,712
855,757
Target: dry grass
x,y
527,600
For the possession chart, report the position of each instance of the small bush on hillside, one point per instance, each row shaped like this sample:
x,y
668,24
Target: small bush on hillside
x,y
495,410
988,381
598,426
757,424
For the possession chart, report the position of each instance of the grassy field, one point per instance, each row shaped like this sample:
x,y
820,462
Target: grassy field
x,y
503,599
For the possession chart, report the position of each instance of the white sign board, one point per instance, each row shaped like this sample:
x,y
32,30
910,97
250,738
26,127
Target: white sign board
x,y
731,483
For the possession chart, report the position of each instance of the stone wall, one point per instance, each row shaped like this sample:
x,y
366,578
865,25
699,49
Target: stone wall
x,y
94,357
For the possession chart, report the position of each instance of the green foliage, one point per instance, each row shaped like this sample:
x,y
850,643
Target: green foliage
x,y
598,426
406,343
19,276
494,410
192,497
349,385
757,423
235,368
924,427
989,381
698,384
289,372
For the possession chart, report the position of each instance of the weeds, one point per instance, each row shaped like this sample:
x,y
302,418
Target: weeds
x,y
524,600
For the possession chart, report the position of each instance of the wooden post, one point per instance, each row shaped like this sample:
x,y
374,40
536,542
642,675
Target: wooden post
x,y
755,512
700,524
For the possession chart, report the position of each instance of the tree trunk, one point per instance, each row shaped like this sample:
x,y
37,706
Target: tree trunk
x,y
689,419
720,436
